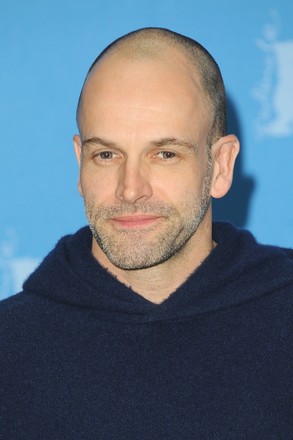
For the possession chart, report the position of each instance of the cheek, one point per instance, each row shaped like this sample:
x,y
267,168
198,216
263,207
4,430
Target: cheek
x,y
178,187
96,187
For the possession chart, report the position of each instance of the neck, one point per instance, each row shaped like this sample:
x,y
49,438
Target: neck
x,y
156,283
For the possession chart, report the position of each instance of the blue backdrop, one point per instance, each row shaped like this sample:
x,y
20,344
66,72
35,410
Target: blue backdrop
x,y
46,48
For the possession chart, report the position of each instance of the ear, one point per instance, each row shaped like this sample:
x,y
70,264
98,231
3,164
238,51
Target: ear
x,y
224,151
77,148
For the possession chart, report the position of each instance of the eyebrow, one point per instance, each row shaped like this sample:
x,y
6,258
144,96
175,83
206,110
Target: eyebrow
x,y
159,143
99,141
164,142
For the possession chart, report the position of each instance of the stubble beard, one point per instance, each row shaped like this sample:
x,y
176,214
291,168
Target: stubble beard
x,y
144,248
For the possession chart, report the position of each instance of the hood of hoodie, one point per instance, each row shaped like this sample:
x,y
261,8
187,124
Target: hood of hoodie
x,y
237,270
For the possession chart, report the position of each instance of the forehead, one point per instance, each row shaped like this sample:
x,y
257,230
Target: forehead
x,y
143,86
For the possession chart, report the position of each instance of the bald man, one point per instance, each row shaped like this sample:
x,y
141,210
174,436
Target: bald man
x,y
153,322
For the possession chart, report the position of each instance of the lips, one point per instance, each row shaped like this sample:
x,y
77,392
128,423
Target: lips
x,y
135,220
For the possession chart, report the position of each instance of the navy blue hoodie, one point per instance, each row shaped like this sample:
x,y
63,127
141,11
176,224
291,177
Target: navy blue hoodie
x,y
84,357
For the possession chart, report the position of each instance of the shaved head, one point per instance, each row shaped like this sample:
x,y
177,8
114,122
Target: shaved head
x,y
153,44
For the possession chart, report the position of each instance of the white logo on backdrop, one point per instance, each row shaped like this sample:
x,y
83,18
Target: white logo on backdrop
x,y
13,270
275,91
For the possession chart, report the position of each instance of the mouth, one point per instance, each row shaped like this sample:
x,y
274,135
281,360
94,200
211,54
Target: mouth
x,y
135,221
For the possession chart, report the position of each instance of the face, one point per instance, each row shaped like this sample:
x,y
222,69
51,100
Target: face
x,y
144,169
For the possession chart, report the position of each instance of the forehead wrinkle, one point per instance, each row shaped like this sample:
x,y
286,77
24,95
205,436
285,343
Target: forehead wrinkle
x,y
139,101
102,83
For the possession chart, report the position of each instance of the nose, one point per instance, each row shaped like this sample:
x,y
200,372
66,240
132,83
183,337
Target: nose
x,y
133,183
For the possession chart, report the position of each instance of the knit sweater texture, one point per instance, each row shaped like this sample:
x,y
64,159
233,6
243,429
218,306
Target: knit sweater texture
x,y
84,357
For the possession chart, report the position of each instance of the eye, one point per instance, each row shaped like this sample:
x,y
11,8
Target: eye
x,y
166,155
105,155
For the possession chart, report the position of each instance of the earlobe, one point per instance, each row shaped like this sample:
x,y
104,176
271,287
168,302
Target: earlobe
x,y
77,149
225,151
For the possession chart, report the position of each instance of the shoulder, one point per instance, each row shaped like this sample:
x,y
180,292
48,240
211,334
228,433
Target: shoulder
x,y
23,316
253,269
17,309
242,243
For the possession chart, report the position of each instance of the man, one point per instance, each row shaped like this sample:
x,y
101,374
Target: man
x,y
153,323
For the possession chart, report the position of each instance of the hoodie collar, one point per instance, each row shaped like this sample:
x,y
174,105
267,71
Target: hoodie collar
x,y
237,270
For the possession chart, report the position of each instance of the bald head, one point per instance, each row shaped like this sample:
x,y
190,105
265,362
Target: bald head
x,y
155,44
